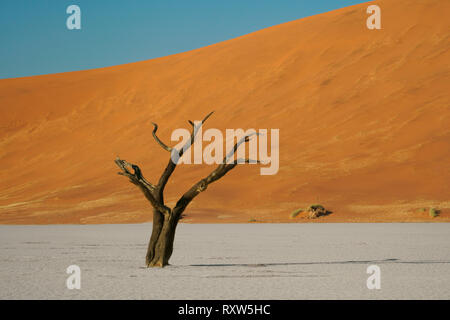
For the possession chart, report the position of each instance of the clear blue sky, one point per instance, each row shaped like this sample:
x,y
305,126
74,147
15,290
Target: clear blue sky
x,y
34,38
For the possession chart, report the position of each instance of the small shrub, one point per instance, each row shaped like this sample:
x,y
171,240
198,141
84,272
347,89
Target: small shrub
x,y
296,212
434,212
316,207
314,211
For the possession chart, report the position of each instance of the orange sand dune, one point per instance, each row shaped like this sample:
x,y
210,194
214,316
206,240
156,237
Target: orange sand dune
x,y
363,118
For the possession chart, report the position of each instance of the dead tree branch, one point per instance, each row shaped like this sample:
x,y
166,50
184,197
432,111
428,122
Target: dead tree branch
x,y
165,219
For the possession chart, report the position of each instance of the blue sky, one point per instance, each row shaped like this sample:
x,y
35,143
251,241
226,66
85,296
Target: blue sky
x,y
34,38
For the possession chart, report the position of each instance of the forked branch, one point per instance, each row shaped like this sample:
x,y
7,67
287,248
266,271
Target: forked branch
x,y
138,179
162,144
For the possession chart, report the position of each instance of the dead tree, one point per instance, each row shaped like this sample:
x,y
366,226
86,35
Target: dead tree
x,y
165,219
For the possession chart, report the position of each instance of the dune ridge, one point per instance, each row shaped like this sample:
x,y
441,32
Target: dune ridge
x,y
363,118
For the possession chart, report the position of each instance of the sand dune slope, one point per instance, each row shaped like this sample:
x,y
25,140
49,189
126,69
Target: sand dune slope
x,y
363,118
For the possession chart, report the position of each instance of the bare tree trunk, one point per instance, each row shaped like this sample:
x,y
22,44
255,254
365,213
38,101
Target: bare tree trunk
x,y
165,219
163,246
156,231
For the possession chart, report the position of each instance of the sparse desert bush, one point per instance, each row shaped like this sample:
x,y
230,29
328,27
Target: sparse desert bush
x,y
434,212
316,210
